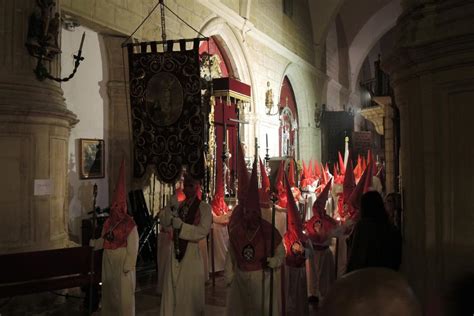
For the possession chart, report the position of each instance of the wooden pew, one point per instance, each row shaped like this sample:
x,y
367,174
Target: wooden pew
x,y
49,270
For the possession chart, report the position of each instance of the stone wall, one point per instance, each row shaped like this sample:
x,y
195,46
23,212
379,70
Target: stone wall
x,y
261,49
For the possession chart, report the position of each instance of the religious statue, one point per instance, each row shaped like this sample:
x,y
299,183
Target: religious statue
x,y
43,30
210,66
318,113
269,98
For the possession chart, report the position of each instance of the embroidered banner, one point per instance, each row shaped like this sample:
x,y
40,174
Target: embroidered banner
x,y
168,122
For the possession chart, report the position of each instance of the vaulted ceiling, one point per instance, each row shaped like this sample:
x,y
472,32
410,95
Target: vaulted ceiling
x,y
364,22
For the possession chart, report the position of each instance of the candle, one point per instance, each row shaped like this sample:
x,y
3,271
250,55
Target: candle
x,y
266,139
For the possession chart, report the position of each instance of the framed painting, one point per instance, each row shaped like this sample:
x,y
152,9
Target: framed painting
x,y
91,158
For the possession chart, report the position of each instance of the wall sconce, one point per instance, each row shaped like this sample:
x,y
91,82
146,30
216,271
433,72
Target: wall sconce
x,y
43,39
269,104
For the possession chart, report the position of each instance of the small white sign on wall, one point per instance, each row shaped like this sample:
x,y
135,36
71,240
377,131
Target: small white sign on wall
x,y
43,187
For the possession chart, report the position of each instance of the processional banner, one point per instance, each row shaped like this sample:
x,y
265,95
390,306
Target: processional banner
x,y
168,122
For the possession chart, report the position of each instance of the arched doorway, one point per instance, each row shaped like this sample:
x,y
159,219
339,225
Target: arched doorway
x,y
215,64
288,131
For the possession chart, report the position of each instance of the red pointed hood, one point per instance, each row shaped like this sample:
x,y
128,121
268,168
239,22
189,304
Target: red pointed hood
x,y
306,178
119,223
310,173
325,174
264,191
349,181
294,237
368,178
342,168
319,205
252,213
364,165
317,169
242,174
118,211
304,172
279,185
356,195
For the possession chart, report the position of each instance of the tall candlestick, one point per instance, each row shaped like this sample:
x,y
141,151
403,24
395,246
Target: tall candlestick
x,y
266,140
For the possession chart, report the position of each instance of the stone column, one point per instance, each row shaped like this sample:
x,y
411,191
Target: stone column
x,y
34,136
389,134
432,72
119,116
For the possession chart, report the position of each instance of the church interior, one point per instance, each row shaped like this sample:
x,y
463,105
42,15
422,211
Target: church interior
x,y
312,86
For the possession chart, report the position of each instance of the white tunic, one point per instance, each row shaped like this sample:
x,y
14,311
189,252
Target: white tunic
x,y
220,236
183,288
163,253
247,296
118,287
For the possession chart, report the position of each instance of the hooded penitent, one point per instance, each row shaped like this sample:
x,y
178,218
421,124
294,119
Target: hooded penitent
x,y
361,187
242,175
250,237
294,238
243,180
119,224
342,167
348,187
320,225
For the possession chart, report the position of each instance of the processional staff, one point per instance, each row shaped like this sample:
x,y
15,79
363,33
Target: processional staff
x,y
94,221
272,251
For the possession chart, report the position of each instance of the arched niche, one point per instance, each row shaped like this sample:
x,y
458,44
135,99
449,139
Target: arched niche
x,y
288,131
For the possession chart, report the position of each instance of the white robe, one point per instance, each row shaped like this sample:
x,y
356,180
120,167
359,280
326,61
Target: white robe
x,y
183,288
118,287
322,273
247,296
220,237
296,291
310,198
163,253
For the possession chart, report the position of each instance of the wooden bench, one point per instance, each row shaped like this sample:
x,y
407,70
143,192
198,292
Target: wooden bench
x,y
40,271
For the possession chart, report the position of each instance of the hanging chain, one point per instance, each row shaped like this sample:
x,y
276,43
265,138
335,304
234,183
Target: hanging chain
x,y
163,23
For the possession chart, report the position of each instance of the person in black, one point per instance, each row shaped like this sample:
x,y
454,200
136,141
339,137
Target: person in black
x,y
376,242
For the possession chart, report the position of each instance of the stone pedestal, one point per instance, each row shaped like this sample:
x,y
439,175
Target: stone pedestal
x,y
34,136
432,72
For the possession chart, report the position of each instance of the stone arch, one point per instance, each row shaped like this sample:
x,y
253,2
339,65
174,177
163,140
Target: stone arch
x,y
379,24
230,42
303,109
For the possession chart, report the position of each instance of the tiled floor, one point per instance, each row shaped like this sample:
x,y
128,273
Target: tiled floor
x,y
147,301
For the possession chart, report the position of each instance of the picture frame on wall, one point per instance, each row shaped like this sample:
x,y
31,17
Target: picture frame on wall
x,y
91,158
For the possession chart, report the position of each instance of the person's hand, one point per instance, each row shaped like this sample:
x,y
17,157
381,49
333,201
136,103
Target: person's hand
x,y
176,222
273,262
